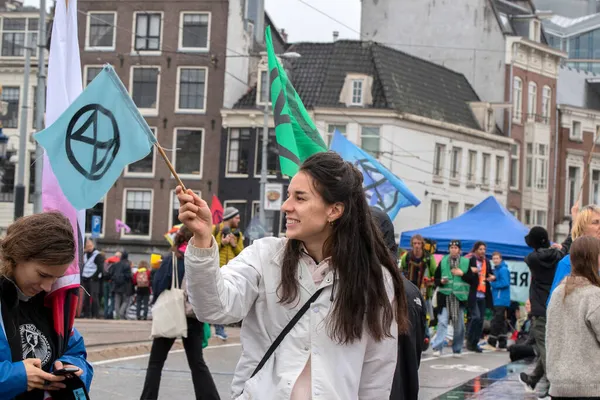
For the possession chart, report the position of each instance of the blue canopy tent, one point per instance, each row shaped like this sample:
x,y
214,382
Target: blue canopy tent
x,y
488,221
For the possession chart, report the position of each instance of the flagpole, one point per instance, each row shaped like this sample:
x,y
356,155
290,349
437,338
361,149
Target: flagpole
x,y
265,139
171,168
41,101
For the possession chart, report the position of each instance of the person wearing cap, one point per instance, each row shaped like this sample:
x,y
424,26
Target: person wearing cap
x,y
542,263
453,277
230,242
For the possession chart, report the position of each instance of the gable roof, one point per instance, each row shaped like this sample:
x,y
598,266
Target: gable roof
x,y
401,82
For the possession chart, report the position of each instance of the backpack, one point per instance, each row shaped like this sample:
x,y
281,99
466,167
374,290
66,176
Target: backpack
x,y
142,279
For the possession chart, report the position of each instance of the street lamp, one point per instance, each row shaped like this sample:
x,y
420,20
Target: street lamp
x,y
265,139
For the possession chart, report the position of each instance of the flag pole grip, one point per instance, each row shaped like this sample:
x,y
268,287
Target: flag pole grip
x,y
171,168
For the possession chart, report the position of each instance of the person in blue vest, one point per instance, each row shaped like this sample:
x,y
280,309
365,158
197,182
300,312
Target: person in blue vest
x,y
35,253
453,277
501,297
587,223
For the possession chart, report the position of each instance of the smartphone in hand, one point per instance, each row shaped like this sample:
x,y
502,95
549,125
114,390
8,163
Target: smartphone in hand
x,y
65,371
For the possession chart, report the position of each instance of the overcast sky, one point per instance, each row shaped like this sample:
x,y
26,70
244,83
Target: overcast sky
x,y
303,23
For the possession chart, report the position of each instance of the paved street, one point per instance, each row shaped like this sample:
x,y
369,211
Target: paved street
x,y
122,376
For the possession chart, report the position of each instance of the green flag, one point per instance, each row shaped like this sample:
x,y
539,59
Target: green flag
x,y
297,135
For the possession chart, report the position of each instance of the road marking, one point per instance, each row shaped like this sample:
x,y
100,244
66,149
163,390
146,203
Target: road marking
x,y
137,357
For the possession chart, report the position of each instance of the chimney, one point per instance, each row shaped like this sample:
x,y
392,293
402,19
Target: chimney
x,y
336,34
284,35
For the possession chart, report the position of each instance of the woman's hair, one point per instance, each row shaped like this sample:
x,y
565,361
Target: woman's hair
x,y
477,245
183,235
417,237
584,218
357,252
584,263
45,238
143,264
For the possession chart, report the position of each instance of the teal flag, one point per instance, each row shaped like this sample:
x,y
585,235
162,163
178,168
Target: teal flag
x,y
297,135
90,144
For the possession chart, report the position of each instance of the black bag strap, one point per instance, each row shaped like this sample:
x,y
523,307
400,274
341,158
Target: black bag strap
x,y
286,330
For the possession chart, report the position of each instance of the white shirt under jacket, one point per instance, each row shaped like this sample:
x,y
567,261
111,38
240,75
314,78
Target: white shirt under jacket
x,y
245,289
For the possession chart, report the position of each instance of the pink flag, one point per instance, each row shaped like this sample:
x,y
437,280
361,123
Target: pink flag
x,y
121,225
64,85
216,210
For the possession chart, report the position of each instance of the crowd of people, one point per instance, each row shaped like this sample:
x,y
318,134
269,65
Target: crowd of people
x,y
328,312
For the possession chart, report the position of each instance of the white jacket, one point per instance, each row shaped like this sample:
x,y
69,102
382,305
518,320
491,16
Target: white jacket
x,y
246,289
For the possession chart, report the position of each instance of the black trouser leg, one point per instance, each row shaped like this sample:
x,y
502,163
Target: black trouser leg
x,y
204,385
498,327
158,356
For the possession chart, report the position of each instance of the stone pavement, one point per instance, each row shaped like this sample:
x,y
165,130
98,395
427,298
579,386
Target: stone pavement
x,y
109,339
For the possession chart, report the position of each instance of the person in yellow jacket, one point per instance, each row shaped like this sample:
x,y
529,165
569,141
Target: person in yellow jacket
x,y
230,242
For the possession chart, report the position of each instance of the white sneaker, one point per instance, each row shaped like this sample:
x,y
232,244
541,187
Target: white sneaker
x,y
437,353
457,355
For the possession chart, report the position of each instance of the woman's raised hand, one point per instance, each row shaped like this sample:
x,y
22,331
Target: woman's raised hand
x,y
196,215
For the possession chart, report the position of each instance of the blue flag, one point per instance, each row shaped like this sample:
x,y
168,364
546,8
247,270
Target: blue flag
x,y
90,144
383,189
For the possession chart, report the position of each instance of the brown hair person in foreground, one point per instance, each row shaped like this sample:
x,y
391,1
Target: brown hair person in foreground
x,y
332,283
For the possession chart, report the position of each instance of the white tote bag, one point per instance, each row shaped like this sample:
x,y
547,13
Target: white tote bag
x,y
168,313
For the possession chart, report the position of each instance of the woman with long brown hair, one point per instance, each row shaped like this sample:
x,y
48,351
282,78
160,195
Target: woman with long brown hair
x,y
321,308
34,254
204,385
573,328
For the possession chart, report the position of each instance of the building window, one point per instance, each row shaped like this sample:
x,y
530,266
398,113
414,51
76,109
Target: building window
x,y
145,87
91,73
238,151
435,212
528,220
499,171
101,30
517,99
532,101
468,206
514,212
357,92
11,96
572,188
145,166
595,192
189,144
192,89
7,182
541,166
485,173
147,32
195,31
439,159
369,140
263,88
14,31
452,210
331,130
138,212
272,153
514,166
576,133
529,166
455,163
97,210
472,171
546,104
270,218
540,217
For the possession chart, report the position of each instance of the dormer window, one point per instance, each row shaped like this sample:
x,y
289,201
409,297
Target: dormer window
x,y
535,30
357,92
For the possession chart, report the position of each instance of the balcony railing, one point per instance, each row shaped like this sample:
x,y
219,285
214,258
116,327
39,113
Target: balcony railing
x,y
7,197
